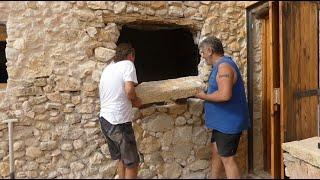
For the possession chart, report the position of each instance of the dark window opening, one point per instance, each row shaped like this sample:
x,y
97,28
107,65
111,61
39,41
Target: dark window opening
x,y
162,52
3,59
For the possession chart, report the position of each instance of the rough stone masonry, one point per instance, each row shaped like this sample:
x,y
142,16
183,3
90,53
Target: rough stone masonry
x,y
55,55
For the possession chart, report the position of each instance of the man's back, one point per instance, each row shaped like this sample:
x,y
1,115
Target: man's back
x,y
115,106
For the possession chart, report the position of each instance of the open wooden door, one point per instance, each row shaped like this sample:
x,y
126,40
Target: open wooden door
x,y
275,86
298,70
271,91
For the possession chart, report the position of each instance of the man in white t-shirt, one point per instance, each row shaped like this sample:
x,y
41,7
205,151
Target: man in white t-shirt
x,y
117,96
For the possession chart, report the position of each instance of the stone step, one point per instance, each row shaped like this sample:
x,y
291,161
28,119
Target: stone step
x,y
169,90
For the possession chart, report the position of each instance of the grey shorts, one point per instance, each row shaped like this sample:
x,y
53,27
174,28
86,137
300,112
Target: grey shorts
x,y
227,144
121,142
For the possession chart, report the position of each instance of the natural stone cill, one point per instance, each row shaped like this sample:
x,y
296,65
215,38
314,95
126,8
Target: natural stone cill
x,y
168,90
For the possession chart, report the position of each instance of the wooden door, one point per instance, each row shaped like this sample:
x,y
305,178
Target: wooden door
x,y
298,69
275,86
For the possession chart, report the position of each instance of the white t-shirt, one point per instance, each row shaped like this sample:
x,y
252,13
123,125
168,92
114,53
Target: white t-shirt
x,y
115,105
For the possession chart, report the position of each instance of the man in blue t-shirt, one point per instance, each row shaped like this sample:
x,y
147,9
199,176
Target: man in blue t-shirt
x,y
226,108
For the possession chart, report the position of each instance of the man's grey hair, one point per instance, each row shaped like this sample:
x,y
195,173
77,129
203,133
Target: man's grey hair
x,y
214,43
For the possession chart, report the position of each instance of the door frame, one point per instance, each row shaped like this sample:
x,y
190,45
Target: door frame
x,y
266,10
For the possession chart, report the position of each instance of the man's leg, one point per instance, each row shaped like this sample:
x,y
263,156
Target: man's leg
x,y
132,172
217,166
231,167
121,169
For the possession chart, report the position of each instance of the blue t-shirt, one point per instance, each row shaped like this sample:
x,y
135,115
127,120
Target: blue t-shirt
x,y
232,116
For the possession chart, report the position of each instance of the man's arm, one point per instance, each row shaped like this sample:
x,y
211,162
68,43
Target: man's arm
x,y
129,87
225,83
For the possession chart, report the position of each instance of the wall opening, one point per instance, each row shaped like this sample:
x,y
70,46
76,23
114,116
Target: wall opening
x,y
3,60
162,51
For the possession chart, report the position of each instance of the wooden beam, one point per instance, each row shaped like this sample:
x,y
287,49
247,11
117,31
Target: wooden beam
x,y
3,32
261,11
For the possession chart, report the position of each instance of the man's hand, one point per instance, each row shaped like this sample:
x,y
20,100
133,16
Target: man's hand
x,y
136,102
201,95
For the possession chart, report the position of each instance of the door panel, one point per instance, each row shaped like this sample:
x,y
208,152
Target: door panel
x,y
275,84
299,68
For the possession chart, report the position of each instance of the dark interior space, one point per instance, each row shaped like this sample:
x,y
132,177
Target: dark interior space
x,y
3,60
162,52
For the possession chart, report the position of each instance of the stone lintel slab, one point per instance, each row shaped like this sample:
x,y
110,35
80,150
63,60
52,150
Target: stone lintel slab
x,y
145,19
306,150
169,90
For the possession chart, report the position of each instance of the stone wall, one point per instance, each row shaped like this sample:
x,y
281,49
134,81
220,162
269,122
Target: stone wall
x,y
56,52
257,95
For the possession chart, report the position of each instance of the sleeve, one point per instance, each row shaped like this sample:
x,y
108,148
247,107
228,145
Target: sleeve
x,y
130,73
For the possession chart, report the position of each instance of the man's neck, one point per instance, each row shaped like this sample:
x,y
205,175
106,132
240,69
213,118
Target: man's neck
x,y
216,59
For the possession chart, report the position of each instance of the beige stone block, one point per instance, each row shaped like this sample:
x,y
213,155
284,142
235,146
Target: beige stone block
x,y
175,11
180,121
149,144
104,54
33,152
76,166
97,4
167,90
167,138
172,171
203,152
199,136
193,4
4,169
182,150
182,135
306,150
96,158
154,158
109,169
158,122
119,7
78,144
199,165
90,86
68,84
158,5
189,12
85,108
146,174
18,145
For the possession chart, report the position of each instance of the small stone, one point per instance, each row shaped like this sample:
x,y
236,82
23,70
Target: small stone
x,y
172,171
33,152
66,147
180,121
119,7
104,54
76,166
4,169
78,144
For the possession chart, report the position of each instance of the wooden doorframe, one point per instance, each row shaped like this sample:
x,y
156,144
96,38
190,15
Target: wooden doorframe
x,y
269,13
250,10
271,84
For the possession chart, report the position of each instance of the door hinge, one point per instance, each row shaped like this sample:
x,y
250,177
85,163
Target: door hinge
x,y
276,96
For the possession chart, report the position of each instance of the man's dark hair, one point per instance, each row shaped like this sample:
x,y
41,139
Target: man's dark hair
x,y
122,52
214,43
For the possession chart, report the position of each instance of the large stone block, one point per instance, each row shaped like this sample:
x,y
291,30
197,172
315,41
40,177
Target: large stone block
x,y
168,90
306,150
158,122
